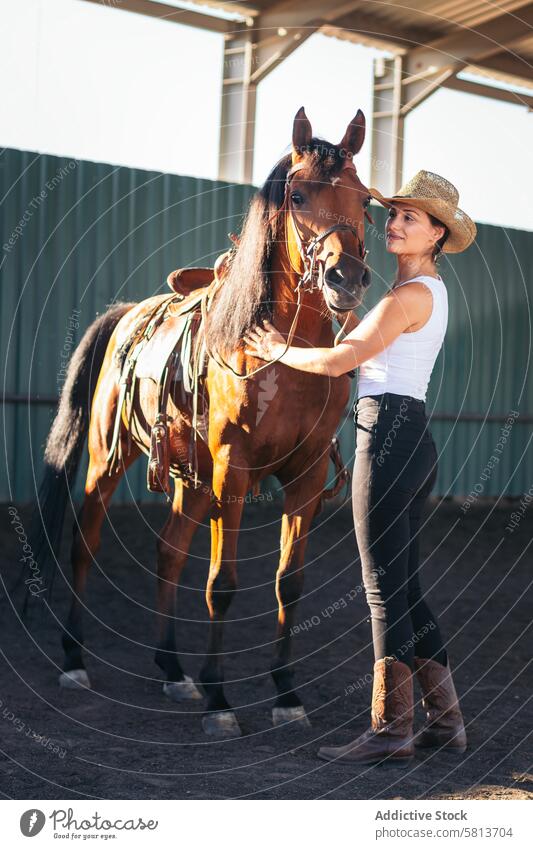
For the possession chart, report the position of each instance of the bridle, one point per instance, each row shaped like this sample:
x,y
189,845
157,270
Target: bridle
x,y
310,279
309,250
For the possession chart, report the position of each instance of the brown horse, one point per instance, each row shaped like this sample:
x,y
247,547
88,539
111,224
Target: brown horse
x,y
300,258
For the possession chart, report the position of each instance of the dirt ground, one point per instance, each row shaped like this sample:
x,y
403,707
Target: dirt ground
x,y
125,740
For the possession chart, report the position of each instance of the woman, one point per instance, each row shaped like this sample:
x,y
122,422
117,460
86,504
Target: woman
x,y
395,347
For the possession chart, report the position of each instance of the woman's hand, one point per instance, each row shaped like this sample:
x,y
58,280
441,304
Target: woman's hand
x,y
264,342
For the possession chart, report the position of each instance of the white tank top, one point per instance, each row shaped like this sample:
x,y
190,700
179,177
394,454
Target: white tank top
x,y
406,365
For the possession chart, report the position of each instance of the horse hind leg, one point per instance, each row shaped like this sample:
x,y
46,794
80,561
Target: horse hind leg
x,y
99,489
189,507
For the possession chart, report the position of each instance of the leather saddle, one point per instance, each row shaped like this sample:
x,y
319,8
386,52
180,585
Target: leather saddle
x,y
185,281
174,355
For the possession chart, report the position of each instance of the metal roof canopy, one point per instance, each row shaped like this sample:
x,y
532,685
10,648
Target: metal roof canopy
x,y
430,42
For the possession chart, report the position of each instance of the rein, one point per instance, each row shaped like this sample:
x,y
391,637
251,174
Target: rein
x,y
307,282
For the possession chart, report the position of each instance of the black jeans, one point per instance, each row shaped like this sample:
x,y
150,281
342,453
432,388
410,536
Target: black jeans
x,y
394,472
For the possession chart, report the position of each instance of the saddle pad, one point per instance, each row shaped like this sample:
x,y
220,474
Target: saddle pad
x,y
153,358
156,351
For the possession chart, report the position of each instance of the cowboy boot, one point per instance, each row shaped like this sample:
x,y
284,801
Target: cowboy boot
x,y
444,726
390,737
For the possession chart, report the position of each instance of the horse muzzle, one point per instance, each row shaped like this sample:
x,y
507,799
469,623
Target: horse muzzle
x,y
343,293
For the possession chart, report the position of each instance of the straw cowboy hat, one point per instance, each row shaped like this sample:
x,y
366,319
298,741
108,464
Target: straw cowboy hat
x,y
438,197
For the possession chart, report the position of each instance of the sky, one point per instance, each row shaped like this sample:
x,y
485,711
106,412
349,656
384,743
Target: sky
x,y
93,82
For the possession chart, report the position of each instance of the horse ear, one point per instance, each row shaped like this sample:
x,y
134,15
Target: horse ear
x,y
354,136
302,133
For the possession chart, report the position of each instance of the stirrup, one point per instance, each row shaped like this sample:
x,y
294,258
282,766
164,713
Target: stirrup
x,y
158,474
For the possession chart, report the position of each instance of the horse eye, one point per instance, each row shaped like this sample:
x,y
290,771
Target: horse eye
x,y
366,203
297,198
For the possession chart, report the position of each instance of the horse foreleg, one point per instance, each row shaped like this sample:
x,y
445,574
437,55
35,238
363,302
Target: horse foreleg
x,y
230,484
189,507
300,505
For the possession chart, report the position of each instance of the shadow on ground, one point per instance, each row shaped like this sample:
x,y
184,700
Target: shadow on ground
x,y
124,740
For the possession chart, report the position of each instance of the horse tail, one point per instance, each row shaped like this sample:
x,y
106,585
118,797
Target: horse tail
x,y
65,444
342,476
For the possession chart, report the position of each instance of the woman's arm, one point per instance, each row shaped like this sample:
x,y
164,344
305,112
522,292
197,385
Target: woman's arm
x,y
394,314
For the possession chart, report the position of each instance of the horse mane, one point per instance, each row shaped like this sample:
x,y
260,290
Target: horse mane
x,y
245,298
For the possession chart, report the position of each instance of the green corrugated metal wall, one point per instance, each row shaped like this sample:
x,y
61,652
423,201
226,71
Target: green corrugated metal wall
x,y
77,235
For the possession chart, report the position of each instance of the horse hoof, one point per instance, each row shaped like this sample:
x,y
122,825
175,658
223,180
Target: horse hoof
x,y
221,723
181,691
75,679
283,715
